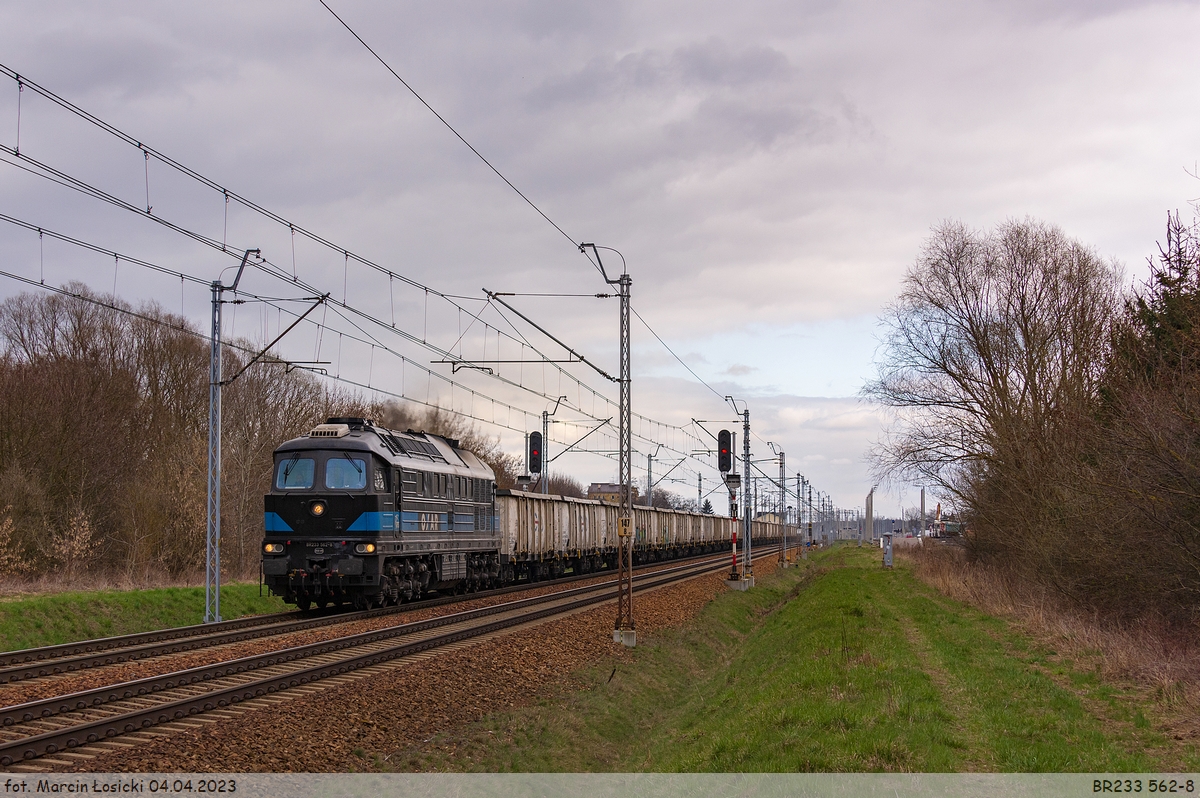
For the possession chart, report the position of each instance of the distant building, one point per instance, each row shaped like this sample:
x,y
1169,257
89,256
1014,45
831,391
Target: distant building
x,y
608,492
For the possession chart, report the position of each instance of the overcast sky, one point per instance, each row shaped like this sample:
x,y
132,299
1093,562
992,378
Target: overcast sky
x,y
767,169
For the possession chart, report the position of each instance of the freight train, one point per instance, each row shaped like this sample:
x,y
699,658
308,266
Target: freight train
x,y
370,516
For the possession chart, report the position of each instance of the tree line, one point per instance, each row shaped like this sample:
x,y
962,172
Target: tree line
x,y
1058,409
104,439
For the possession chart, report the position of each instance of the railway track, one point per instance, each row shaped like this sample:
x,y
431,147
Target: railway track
x,y
61,724
67,658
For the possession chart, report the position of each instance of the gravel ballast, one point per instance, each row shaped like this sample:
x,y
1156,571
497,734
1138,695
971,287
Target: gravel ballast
x,y
14,693
408,705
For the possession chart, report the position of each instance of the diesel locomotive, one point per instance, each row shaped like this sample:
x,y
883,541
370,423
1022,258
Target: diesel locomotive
x,y
366,515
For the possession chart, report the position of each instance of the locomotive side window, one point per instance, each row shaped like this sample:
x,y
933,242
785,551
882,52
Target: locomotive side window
x,y
345,473
295,474
380,481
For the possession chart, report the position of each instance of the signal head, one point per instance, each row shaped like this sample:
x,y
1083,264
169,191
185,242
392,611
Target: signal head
x,y
724,451
535,452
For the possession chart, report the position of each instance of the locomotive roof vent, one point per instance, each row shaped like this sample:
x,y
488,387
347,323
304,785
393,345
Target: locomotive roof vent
x,y
330,431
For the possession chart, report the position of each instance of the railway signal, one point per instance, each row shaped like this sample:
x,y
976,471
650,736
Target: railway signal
x,y
535,453
724,451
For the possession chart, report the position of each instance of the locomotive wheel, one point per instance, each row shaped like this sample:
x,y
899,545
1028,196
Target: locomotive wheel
x,y
321,603
303,604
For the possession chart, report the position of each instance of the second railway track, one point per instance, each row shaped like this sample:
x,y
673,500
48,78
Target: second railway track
x,y
47,661
60,724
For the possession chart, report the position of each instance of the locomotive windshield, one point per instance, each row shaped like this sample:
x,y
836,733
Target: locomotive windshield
x,y
295,474
345,473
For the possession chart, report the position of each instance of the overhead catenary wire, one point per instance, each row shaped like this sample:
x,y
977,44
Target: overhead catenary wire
x,y
61,178
42,231
64,179
530,417
183,277
185,329
270,300
459,136
700,379
226,195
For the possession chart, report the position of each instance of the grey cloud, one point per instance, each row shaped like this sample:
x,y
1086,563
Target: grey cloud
x,y
712,62
130,61
728,125
545,18
709,64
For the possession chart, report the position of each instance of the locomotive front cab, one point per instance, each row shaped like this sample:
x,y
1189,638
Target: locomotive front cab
x,y
327,519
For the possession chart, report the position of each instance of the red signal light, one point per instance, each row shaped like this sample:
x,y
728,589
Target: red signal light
x,y
535,452
724,442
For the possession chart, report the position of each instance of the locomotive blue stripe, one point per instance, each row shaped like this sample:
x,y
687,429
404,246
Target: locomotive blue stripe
x,y
373,522
273,523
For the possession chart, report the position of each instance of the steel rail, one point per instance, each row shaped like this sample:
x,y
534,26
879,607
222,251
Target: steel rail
x,y
52,742
87,699
70,657
62,650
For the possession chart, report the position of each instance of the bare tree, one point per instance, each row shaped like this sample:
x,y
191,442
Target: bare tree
x,y
566,485
993,356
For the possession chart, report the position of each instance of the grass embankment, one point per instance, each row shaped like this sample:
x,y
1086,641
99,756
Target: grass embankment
x,y
67,617
835,666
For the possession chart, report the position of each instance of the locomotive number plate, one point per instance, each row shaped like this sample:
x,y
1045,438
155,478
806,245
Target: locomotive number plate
x,y
318,551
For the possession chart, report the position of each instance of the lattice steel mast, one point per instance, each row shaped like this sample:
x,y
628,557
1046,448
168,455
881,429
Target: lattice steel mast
x,y
747,507
624,628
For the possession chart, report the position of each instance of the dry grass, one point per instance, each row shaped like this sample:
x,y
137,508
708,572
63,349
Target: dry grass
x,y
1157,658
18,587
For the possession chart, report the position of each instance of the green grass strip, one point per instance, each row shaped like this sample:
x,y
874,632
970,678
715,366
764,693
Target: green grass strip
x,y
839,666
70,617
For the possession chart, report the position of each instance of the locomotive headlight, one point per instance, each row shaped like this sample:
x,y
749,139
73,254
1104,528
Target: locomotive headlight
x,y
364,548
317,509
273,548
